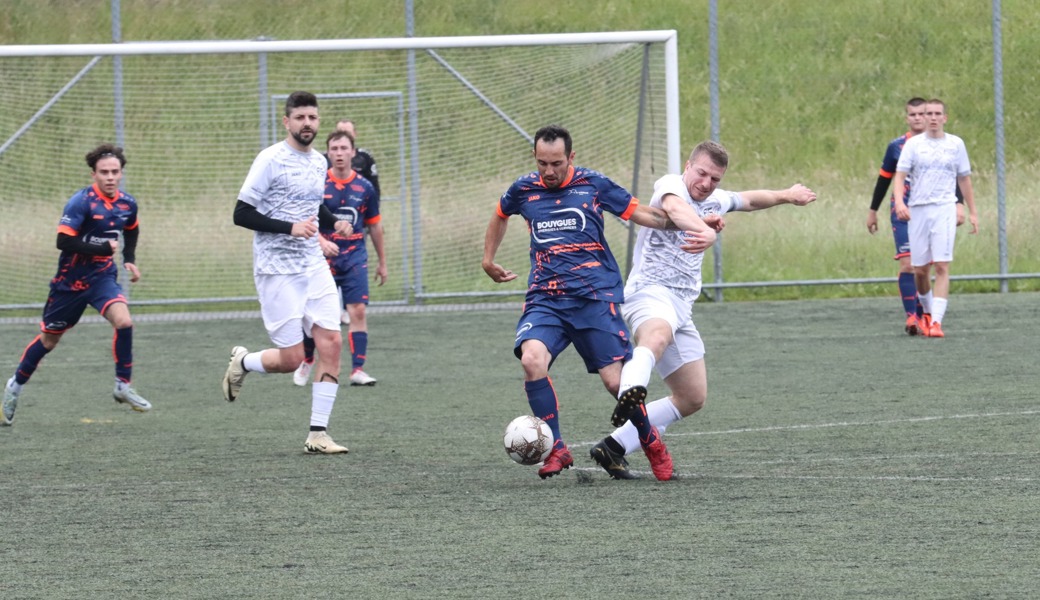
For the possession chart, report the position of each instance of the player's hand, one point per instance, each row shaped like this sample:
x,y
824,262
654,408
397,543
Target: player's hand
x,y
114,245
381,275
305,229
697,241
960,214
801,195
974,220
497,273
328,247
135,273
902,211
343,227
872,221
715,221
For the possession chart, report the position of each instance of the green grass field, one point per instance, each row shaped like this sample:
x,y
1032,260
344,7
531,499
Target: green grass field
x,y
836,458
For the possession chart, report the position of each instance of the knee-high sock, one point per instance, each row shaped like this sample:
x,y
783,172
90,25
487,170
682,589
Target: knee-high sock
x,y
323,396
544,404
31,358
638,369
358,348
939,309
660,412
308,348
123,353
926,301
908,292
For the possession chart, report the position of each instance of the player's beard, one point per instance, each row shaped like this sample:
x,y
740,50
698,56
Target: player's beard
x,y
304,137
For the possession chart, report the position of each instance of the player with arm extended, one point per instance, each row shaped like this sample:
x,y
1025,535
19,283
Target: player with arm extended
x,y
281,201
659,297
574,287
937,163
351,198
907,288
88,237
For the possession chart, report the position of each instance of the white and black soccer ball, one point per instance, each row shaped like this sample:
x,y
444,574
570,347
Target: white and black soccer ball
x,y
528,440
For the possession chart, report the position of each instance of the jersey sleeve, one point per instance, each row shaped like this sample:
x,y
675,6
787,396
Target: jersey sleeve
x,y
963,164
907,156
891,159
257,182
509,203
72,216
372,215
728,201
615,198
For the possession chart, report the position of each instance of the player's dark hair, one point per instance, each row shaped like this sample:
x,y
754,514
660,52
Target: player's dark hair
x,y
715,151
298,99
337,134
551,133
915,101
102,151
939,102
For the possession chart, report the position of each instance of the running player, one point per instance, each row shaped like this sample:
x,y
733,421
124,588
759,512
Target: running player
x,y
88,237
351,198
574,287
659,297
937,163
281,201
907,287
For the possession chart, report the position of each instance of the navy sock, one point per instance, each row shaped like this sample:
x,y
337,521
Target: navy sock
x,y
31,358
908,292
642,423
358,348
123,349
308,348
544,404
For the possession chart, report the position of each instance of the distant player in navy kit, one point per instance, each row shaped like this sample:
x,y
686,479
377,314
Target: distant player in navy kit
x,y
907,287
88,237
351,198
281,201
574,287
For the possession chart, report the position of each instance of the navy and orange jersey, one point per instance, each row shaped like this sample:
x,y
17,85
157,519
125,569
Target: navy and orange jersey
x,y
353,200
93,218
569,252
891,159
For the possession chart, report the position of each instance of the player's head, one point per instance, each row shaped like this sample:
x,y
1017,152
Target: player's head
x,y
301,118
339,146
348,126
553,154
106,164
915,114
704,170
935,115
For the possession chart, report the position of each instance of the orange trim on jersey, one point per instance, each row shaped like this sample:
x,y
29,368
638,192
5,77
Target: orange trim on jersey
x,y
134,226
67,230
374,220
351,177
118,298
570,176
900,255
498,211
108,201
885,174
631,209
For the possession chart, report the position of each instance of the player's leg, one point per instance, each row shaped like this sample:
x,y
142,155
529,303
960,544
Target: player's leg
x,y
918,230
907,286
322,314
302,374
117,312
944,233
355,298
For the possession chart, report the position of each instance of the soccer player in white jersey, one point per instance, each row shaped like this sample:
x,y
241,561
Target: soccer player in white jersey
x,y
659,296
937,163
281,201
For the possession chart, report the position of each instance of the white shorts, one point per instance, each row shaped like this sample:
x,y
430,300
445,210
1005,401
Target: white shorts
x,y
932,229
292,304
658,302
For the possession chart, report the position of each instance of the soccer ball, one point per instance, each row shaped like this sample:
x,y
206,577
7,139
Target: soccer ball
x,y
528,440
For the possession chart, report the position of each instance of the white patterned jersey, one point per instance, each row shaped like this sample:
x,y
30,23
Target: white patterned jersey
x,y
287,185
934,164
657,258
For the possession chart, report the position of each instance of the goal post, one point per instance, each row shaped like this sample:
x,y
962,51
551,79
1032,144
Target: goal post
x,y
192,117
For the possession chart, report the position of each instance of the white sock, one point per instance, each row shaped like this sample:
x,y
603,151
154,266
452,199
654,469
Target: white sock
x,y
254,362
926,302
661,413
121,385
637,370
939,309
14,386
323,396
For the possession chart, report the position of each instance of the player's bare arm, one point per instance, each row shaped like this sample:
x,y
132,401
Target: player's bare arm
x,y
699,235
328,247
964,182
797,194
375,231
496,232
652,217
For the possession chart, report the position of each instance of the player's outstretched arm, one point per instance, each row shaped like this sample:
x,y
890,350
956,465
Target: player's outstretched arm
x,y
797,194
496,232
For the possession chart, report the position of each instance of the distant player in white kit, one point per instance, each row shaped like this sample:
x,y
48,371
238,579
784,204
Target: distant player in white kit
x,y
659,296
281,201
936,162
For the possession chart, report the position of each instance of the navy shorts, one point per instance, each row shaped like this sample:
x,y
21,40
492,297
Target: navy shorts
x,y
596,329
353,285
64,308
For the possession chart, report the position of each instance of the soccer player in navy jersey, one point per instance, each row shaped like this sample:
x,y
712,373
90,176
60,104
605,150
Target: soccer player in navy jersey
x,y
88,237
351,198
281,202
660,294
575,287
907,288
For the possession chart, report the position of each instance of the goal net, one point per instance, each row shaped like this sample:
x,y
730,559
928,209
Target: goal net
x,y
448,120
